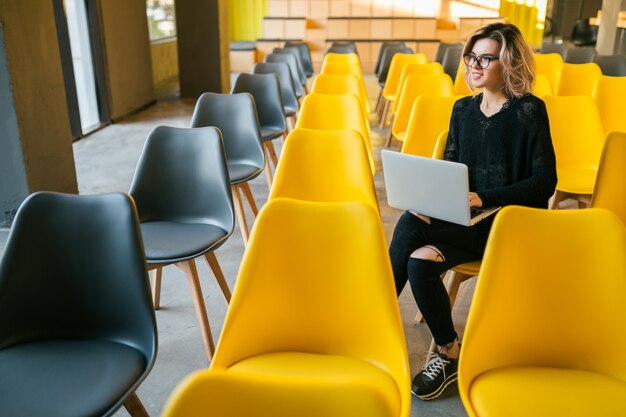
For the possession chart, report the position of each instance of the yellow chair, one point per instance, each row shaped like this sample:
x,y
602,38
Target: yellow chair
x,y
548,65
577,137
335,112
610,189
546,341
542,86
460,85
577,79
341,84
332,57
347,68
429,117
415,86
610,97
398,62
324,166
431,68
440,145
313,328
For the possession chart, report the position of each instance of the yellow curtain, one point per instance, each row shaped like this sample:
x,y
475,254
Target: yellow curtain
x,y
246,19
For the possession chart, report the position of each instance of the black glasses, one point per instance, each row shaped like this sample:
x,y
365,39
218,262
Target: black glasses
x,y
482,60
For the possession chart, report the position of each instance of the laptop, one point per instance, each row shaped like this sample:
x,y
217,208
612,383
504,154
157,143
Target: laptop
x,y
432,187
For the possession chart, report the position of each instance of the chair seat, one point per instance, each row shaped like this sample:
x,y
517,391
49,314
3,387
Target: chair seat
x,y
390,97
269,133
68,378
400,135
348,386
167,242
290,110
469,268
536,391
241,172
576,181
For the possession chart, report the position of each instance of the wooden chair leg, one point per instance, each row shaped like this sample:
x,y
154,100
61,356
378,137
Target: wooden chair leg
x,y
134,406
219,275
383,116
156,287
189,267
272,151
378,101
241,215
268,168
390,134
248,193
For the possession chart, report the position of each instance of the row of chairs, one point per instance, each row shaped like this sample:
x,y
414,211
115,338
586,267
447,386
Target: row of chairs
x,y
614,65
317,241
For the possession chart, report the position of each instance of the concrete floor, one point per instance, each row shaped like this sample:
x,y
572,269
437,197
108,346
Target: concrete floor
x,y
105,162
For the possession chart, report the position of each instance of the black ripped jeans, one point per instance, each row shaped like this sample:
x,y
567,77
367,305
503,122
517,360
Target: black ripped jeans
x,y
458,244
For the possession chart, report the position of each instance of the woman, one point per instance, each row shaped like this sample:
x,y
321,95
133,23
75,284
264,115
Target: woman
x,y
502,134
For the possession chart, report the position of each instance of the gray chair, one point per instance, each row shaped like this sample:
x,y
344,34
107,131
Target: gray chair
x,y
290,101
451,60
341,49
554,48
441,50
77,329
292,50
579,55
348,46
612,65
305,56
182,191
290,60
236,117
381,52
265,88
385,63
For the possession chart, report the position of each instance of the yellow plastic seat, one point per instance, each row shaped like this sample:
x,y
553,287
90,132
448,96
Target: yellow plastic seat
x,y
429,117
297,339
578,137
398,62
460,85
324,166
335,112
332,57
610,97
542,86
548,65
414,87
431,68
577,79
536,342
610,189
440,145
341,84
349,68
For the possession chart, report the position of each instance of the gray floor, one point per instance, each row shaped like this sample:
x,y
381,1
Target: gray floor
x,y
105,162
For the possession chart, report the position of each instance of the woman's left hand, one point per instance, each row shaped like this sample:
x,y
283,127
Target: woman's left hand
x,y
474,200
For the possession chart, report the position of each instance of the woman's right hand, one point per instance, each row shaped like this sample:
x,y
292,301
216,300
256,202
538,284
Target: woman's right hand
x,y
420,216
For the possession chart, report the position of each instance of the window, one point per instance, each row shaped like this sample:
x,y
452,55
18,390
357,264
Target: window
x,y
161,20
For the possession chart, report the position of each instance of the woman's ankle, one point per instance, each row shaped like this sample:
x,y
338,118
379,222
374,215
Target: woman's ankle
x,y
451,350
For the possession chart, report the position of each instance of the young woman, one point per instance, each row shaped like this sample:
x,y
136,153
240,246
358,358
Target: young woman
x,y
502,134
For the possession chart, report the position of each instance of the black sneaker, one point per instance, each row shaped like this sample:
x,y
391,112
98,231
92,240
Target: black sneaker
x,y
435,376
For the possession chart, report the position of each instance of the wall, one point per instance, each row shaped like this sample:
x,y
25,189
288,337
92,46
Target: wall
x,y
164,55
127,55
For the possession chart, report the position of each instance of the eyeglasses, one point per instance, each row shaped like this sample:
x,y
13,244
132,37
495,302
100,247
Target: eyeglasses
x,y
482,60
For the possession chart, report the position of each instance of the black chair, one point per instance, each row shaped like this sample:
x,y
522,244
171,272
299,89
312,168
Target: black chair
x,y
452,59
265,88
441,50
292,50
305,56
385,63
287,87
347,45
236,117
554,48
612,65
182,191
579,55
381,52
290,60
583,34
77,329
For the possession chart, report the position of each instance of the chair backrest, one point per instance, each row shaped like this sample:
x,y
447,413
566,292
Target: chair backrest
x,y
381,52
548,65
339,84
348,46
182,175
579,55
460,84
612,65
562,267
430,116
268,99
324,166
236,117
451,60
398,63
415,86
341,49
440,145
387,57
287,87
576,130
305,55
441,50
577,79
292,50
413,68
277,271
347,68
290,60
610,189
74,268
542,86
554,48
610,97
349,58
335,112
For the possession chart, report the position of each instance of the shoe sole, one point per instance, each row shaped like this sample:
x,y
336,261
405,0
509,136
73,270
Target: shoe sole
x,y
438,391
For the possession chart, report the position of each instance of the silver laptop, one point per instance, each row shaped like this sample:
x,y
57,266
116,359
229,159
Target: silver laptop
x,y
431,187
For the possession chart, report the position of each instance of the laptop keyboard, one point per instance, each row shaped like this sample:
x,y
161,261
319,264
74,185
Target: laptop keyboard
x,y
475,212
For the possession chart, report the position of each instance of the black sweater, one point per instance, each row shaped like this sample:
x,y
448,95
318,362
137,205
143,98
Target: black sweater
x,y
509,154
